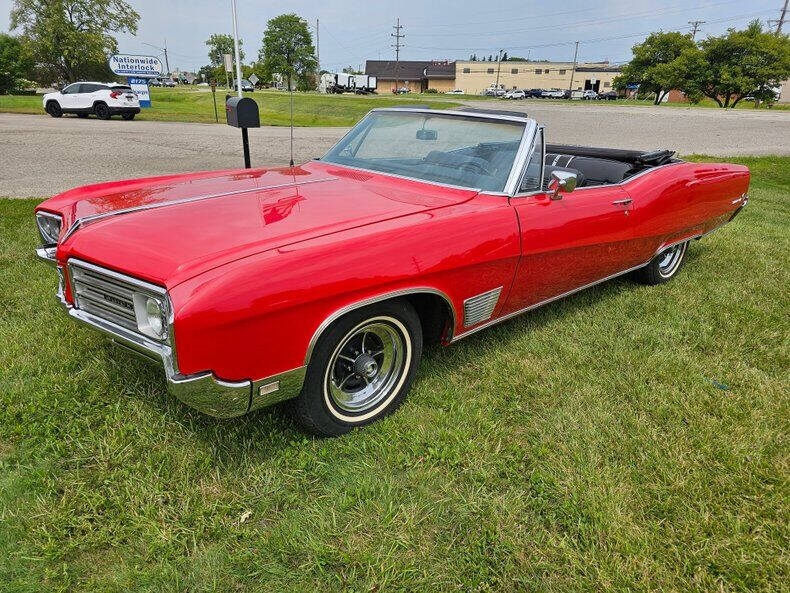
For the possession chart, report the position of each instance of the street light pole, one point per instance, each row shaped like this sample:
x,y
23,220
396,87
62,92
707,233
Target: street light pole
x,y
236,49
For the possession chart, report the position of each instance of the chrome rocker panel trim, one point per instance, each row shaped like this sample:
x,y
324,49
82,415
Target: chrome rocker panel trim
x,y
202,391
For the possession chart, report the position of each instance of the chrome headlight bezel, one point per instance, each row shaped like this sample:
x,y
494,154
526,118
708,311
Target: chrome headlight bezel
x,y
153,315
49,226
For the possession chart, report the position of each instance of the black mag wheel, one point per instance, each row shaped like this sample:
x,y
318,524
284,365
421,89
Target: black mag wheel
x,y
53,108
361,369
664,266
102,111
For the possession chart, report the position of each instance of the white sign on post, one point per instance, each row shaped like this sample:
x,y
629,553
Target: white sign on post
x,y
253,79
228,62
141,66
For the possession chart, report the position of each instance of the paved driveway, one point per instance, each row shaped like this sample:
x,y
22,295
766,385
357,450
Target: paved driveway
x,y
40,156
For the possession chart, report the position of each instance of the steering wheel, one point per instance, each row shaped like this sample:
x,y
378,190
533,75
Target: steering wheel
x,y
477,166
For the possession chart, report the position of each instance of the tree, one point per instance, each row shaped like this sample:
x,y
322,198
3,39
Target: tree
x,y
15,63
288,49
651,67
504,57
71,39
220,44
490,58
743,63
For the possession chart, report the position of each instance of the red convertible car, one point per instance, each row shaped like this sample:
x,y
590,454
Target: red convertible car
x,y
321,283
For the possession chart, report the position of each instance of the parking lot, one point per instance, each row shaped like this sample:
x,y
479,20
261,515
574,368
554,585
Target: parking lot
x,y
42,156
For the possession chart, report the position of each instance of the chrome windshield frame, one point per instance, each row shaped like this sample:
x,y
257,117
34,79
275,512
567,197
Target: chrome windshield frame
x,y
519,161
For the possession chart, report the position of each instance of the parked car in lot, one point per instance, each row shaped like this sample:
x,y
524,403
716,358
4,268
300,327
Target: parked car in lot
x,y
534,93
401,90
246,85
553,94
589,95
608,96
154,82
102,99
321,283
514,94
455,92
169,82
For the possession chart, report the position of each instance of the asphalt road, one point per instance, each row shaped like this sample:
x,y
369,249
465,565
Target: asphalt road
x,y
41,156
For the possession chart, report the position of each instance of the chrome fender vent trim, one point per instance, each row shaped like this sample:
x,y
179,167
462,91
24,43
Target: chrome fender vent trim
x,y
480,307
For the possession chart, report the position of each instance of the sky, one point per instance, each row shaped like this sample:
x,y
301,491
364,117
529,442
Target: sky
x,y
351,31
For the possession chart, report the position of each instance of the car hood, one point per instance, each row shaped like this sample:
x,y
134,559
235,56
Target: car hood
x,y
169,229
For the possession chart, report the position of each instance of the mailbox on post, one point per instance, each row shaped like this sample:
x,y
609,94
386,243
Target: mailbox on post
x,y
242,112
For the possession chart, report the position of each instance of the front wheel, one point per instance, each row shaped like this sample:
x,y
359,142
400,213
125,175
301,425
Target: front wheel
x,y
361,369
664,266
54,110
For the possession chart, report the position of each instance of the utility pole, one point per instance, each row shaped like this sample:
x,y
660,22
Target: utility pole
x,y
781,20
695,27
498,67
167,64
317,56
162,49
573,70
398,36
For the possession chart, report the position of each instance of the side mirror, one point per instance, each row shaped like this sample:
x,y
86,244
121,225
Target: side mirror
x,y
562,182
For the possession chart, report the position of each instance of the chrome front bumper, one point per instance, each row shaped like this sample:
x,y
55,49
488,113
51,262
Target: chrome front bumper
x,y
202,391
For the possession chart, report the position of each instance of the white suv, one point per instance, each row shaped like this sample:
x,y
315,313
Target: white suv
x,y
104,99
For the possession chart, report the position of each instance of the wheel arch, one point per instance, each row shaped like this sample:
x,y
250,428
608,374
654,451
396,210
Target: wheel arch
x,y
427,301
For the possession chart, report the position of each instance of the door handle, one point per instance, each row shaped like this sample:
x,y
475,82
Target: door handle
x,y
624,201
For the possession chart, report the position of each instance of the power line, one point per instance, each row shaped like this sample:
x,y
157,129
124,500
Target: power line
x,y
561,43
586,22
398,36
695,25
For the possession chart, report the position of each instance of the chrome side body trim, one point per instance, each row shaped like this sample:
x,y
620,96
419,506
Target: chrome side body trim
x,y
94,217
376,299
570,292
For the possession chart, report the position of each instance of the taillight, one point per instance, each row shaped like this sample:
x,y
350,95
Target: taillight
x,y
115,94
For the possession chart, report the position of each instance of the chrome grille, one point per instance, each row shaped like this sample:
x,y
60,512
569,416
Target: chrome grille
x,y
480,307
103,295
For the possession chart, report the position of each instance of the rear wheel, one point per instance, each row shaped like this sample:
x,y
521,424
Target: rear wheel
x,y
102,111
128,116
53,108
664,266
361,369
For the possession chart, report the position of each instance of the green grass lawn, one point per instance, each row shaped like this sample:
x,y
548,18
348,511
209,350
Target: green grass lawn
x,y
195,104
585,446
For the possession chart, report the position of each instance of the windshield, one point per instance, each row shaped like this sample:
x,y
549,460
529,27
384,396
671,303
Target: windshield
x,y
457,150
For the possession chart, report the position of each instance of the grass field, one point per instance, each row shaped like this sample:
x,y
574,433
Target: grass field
x,y
628,438
196,104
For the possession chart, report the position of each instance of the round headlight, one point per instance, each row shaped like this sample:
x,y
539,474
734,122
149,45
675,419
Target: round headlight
x,y
154,312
